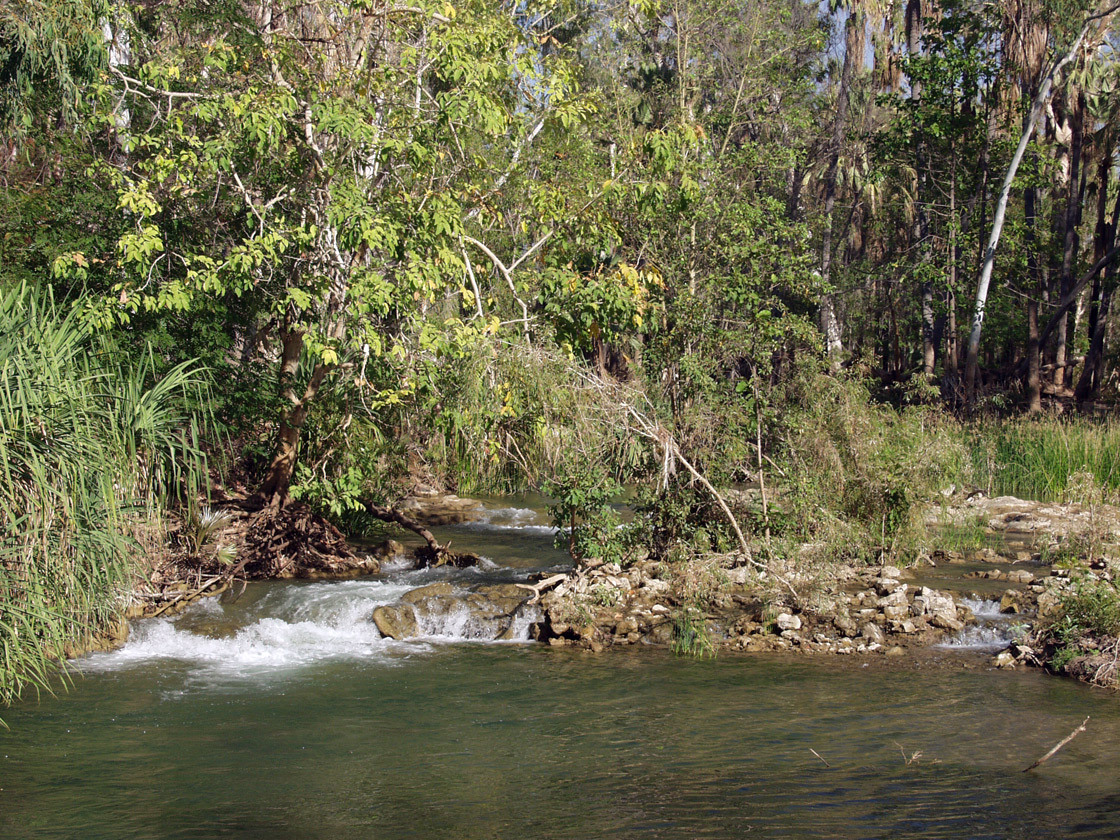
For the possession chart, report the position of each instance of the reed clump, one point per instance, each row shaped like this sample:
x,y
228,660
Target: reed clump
x,y
1044,459
94,447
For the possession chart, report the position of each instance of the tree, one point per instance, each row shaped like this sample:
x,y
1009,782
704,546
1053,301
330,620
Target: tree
x,y
317,167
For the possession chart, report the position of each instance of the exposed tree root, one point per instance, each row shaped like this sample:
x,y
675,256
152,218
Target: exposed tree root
x,y
291,541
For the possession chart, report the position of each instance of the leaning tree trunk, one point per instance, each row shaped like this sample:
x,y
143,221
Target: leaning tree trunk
x,y
1037,108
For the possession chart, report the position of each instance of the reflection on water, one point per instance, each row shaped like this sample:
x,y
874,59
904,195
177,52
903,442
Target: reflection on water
x,y
283,715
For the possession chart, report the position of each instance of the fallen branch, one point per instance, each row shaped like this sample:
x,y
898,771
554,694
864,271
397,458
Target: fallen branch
x,y
539,587
187,595
1059,745
387,514
818,755
672,453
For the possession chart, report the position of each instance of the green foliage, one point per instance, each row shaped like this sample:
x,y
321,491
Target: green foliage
x,y
690,634
859,473
1043,459
48,52
589,523
968,535
679,519
1091,606
1089,615
92,448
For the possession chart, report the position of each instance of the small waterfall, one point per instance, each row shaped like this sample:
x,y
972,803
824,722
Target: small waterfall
x,y
992,631
459,623
293,626
984,609
290,627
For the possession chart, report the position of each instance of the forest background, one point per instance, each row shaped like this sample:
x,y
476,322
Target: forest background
x,y
323,252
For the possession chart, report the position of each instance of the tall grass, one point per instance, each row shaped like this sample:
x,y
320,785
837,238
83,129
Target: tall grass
x,y
92,447
1046,460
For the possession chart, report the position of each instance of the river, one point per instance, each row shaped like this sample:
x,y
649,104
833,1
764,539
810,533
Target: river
x,y
283,715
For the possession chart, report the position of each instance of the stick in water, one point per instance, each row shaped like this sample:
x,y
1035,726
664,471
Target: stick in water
x,y
1060,744
818,755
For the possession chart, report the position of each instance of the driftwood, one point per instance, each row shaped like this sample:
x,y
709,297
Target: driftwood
x,y
188,595
1059,745
539,587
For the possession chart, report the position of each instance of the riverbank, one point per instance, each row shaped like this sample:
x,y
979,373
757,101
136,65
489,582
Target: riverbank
x,y
1001,596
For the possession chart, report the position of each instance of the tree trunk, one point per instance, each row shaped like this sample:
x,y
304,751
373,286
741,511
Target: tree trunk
x,y
1037,108
1071,220
1104,241
274,489
830,323
920,230
1034,295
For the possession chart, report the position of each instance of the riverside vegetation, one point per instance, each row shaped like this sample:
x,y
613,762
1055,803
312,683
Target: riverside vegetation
x,y
269,268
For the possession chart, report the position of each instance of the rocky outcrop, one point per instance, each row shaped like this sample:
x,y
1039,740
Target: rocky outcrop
x,y
604,606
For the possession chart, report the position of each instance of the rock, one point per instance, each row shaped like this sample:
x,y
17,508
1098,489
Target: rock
x,y
656,585
396,621
1004,659
626,626
660,634
889,586
895,599
843,622
487,612
871,634
890,572
785,621
946,622
895,612
433,590
441,510
938,607
1049,604
390,550
1020,576
1011,602
894,651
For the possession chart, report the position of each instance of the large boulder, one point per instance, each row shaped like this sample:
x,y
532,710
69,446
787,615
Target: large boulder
x,y
396,621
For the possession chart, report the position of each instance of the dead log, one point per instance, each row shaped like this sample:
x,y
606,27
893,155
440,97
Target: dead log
x,y
539,587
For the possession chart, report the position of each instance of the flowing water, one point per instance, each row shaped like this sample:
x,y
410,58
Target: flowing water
x,y
284,715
